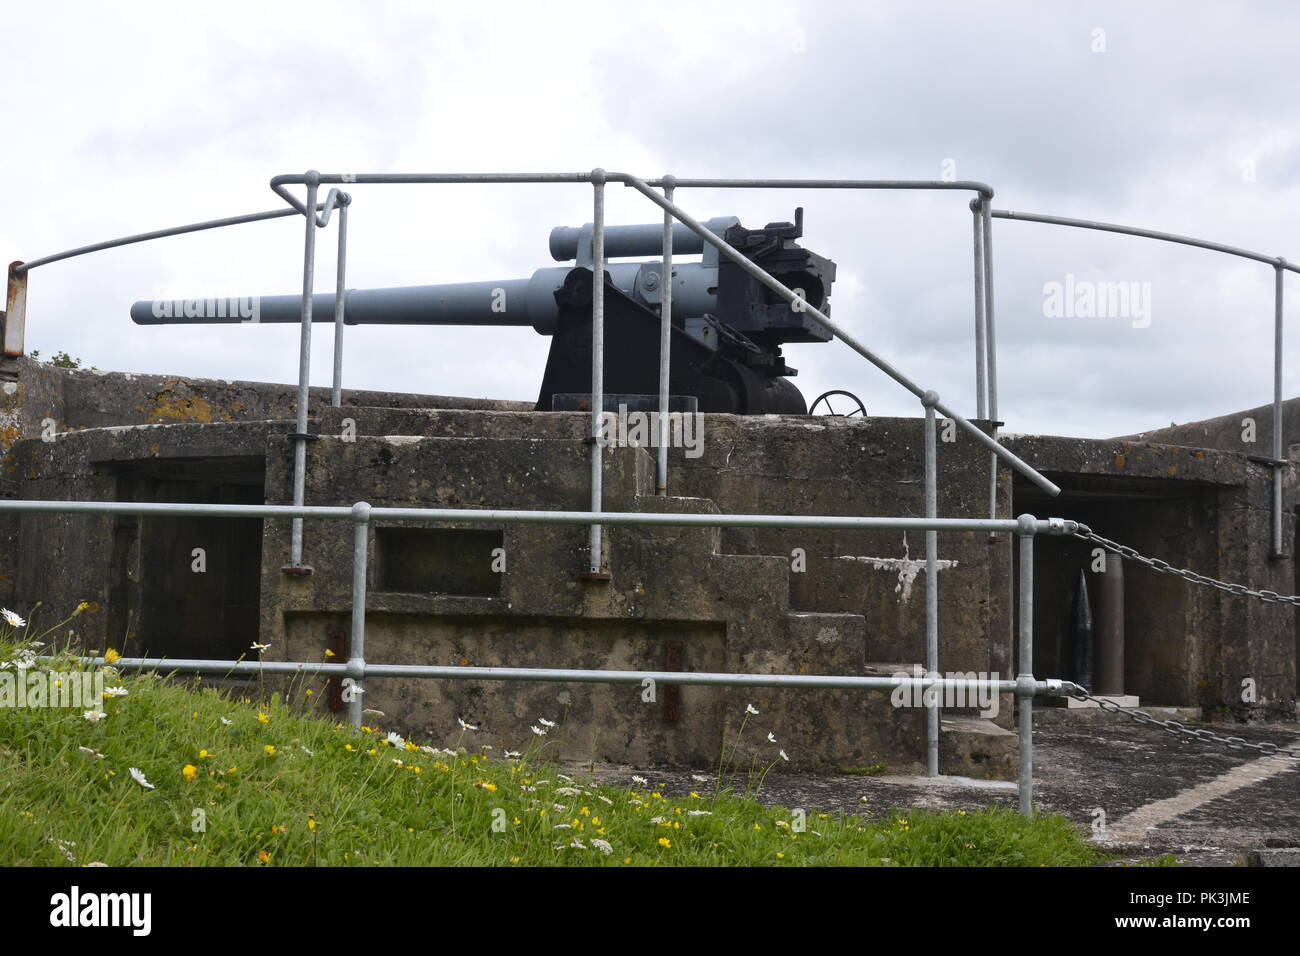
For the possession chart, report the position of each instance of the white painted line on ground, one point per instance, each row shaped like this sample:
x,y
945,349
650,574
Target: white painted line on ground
x,y
1136,826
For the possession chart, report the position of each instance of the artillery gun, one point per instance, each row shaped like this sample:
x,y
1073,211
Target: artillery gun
x,y
727,327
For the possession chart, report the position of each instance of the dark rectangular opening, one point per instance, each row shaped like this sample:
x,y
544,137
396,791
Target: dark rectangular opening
x,y
187,587
448,561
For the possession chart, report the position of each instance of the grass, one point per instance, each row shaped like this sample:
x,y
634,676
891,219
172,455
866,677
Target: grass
x,y
237,782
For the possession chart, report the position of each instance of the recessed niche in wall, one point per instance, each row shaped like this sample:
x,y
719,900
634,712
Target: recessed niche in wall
x,y
437,561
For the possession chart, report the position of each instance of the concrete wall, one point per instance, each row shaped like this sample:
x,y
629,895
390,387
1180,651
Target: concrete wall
x,y
760,600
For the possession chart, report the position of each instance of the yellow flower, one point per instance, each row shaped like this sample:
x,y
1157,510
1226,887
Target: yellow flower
x,y
270,749
328,652
205,754
757,827
189,772
112,656
665,842
311,823
310,692
780,856
264,856
263,719
627,859
347,746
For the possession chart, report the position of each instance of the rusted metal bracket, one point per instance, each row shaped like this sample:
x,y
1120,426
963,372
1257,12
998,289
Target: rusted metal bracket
x,y
15,312
672,693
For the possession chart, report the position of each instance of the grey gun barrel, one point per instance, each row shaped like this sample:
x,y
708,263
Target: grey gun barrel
x,y
644,239
511,302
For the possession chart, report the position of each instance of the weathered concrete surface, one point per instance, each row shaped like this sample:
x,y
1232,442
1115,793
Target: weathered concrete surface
x,y
728,611
32,391
1232,432
761,600
1089,773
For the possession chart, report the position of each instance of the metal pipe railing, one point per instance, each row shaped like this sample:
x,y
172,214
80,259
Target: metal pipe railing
x,y
597,366
23,267
340,307
1024,676
991,343
1279,265
1056,526
665,340
931,582
356,670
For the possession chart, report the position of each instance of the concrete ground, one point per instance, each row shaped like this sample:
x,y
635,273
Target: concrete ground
x,y
1156,793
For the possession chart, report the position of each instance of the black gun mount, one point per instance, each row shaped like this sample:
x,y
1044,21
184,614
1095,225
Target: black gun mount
x,y
727,327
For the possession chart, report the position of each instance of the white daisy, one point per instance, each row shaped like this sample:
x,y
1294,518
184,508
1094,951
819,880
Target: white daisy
x,y
465,726
751,709
537,730
783,756
640,780
138,777
771,737
395,739
513,755
94,716
545,723
12,619
226,721
260,647
115,692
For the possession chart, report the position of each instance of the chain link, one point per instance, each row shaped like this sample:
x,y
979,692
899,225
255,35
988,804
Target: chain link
x,y
1164,567
1203,734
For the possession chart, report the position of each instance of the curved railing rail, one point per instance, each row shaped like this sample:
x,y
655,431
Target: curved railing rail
x,y
1278,462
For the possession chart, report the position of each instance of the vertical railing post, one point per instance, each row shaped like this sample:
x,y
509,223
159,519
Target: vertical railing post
x,y
1025,670
16,311
304,368
929,400
597,360
1279,470
665,336
990,344
357,644
981,386
336,392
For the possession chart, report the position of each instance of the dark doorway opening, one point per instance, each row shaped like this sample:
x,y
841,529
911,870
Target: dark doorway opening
x,y
188,587
1162,616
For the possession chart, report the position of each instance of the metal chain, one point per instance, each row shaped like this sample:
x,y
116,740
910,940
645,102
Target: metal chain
x,y
1164,567
1177,727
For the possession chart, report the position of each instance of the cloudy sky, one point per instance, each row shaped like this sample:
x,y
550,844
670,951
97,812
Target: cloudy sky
x,y
128,117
